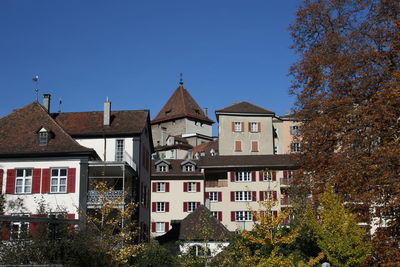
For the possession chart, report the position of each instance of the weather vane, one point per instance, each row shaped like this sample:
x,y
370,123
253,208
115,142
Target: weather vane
x,y
36,80
181,79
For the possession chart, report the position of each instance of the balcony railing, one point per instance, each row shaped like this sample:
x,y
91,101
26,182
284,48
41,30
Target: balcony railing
x,y
286,181
94,196
285,201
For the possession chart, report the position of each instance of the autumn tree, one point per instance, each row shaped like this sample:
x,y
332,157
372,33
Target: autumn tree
x,y
346,82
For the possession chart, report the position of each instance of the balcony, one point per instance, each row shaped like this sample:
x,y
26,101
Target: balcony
x,y
285,201
93,197
286,181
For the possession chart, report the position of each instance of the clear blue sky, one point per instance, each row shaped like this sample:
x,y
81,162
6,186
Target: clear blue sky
x,y
133,51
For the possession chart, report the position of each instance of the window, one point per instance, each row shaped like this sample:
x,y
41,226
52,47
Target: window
x,y
213,196
188,168
119,150
243,196
191,206
160,187
23,181
267,195
160,207
295,147
238,146
214,214
192,186
243,176
56,230
254,127
267,176
162,168
254,146
294,130
237,126
199,251
58,180
243,216
43,138
160,227
20,230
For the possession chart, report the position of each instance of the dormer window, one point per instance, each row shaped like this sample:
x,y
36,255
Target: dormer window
x,y
188,168
162,168
43,137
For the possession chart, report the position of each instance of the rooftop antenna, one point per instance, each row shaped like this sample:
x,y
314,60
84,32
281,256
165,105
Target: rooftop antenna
x,y
59,105
36,80
181,79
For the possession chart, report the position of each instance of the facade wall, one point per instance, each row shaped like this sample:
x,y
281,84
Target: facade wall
x,y
193,126
287,136
228,136
53,202
176,127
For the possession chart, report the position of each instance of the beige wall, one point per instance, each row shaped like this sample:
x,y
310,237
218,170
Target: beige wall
x,y
227,137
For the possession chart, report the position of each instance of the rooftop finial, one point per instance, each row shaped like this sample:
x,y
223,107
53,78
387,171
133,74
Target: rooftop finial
x,y
36,80
181,79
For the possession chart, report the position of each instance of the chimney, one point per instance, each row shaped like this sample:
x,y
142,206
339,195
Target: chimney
x,y
205,111
46,102
107,112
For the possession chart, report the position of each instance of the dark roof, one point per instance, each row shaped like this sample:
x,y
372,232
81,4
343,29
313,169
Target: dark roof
x,y
206,147
181,105
19,134
201,225
126,122
175,170
247,161
245,107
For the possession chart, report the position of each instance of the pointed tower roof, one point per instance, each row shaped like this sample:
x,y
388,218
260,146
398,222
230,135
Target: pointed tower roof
x,y
181,105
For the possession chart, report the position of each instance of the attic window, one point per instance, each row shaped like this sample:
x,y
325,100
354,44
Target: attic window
x,y
188,168
43,137
197,111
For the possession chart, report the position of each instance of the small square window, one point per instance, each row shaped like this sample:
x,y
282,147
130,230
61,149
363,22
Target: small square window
x,y
191,206
267,176
238,126
243,216
160,187
192,187
213,196
160,206
295,147
160,227
254,127
162,168
188,168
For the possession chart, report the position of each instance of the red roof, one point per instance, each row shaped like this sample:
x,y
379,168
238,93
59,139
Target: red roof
x,y
245,107
181,105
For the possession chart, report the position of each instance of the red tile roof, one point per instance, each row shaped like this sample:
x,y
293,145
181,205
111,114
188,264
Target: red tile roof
x,y
181,105
206,147
247,161
19,134
244,107
91,123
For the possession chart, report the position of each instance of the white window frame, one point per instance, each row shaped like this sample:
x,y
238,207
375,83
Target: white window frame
x,y
56,184
290,174
23,184
295,147
119,149
268,176
213,196
214,214
243,196
160,187
160,206
188,168
254,127
192,187
160,227
243,176
238,126
22,227
43,138
162,168
243,216
294,129
191,206
268,195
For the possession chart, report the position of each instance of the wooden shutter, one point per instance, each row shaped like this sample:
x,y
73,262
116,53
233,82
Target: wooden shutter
x,y
5,233
153,206
259,127
219,196
262,196
36,173
1,181
233,126
185,187
254,213
10,186
206,194
254,196
261,176
242,126
233,216
238,146
71,180
219,216
70,216
198,189
167,187
166,226
275,213
249,126
285,174
232,196
154,187
153,227
253,176
185,206
274,195
254,146
45,181
274,176
233,176
197,204
166,206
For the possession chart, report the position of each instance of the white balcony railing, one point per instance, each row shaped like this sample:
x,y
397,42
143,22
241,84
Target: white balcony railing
x,y
94,196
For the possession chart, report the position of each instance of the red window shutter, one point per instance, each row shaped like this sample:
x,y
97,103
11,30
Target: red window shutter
x,y
262,196
32,227
207,194
274,176
233,126
275,213
253,176
153,206
167,187
254,216
219,216
185,206
274,195
233,217
166,226
254,196
71,216
232,196
1,181
285,174
197,204
198,189
249,126
242,126
261,176
219,196
5,231
10,186
254,146
36,173
45,181
71,180
154,187
238,146
166,206
233,178
153,227
259,127
185,187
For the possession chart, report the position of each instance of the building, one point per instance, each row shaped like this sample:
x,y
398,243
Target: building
x,y
54,159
